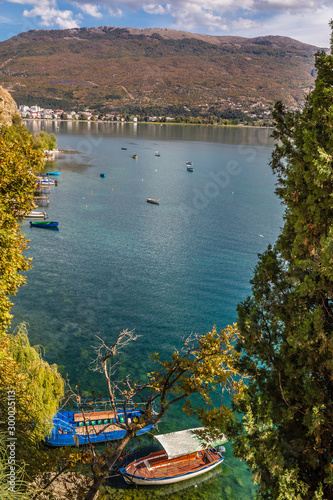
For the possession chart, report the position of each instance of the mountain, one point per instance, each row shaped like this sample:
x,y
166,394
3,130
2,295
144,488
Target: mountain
x,y
8,107
105,68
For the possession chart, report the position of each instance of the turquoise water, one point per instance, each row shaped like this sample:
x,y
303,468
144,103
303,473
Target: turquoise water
x,y
164,270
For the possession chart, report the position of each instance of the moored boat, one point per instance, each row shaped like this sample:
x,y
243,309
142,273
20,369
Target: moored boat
x,y
36,215
189,166
184,456
52,173
70,428
152,200
157,153
134,155
102,175
47,182
44,224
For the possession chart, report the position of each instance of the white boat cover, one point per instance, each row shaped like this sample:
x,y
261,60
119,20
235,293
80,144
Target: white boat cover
x,y
177,444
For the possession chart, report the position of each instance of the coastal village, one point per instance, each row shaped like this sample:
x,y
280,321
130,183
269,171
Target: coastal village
x,y
259,114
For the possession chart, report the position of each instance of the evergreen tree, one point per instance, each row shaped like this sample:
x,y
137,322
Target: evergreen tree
x,y
286,430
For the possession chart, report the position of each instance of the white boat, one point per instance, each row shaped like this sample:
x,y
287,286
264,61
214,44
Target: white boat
x,y
157,153
184,456
36,215
153,200
44,181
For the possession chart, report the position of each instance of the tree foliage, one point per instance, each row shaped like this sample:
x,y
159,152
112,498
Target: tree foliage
x,y
31,389
19,159
287,324
43,140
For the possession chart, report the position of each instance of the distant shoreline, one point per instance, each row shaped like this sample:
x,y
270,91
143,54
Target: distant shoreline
x,y
240,125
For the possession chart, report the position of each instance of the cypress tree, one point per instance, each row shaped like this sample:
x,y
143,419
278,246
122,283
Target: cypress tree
x,y
286,430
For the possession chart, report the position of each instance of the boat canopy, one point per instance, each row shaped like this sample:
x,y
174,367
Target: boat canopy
x,y
177,444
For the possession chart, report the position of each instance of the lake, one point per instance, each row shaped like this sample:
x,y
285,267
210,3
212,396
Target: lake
x,y
164,270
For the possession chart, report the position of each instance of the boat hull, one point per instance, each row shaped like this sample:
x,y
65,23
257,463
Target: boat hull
x,y
56,439
44,225
145,481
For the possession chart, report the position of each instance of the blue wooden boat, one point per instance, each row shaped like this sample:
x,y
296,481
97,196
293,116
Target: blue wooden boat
x,y
69,427
52,173
102,175
44,224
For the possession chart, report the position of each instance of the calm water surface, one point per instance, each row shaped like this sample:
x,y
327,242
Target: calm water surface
x,y
164,270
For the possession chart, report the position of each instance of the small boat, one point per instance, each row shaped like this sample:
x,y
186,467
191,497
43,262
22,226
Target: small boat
x,y
44,224
52,173
36,215
124,149
157,153
189,168
152,200
69,427
47,182
134,156
184,456
102,175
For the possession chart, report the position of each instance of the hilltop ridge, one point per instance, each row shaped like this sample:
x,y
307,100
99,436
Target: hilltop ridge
x,y
106,68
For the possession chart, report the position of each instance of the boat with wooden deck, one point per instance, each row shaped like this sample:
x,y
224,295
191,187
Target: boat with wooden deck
x,y
184,456
153,200
44,224
71,427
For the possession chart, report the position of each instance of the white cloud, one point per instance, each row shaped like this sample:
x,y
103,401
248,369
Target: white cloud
x,y
306,27
152,8
53,17
89,9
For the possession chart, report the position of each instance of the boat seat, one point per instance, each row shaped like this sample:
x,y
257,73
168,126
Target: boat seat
x,y
96,415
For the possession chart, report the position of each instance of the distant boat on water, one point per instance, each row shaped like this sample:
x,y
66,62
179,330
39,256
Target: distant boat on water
x,y
102,175
36,215
124,149
157,153
152,200
44,224
134,155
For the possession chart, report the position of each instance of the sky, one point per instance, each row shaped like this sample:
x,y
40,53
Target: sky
x,y
303,20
